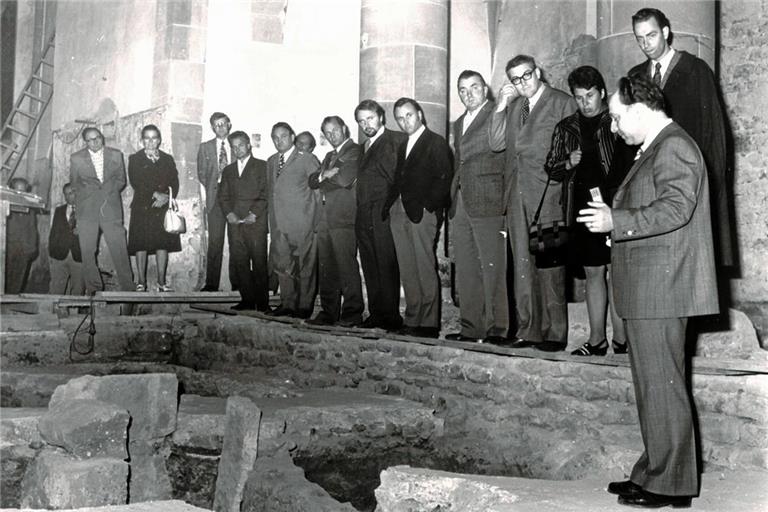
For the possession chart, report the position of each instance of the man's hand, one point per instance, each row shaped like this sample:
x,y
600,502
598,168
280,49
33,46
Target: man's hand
x,y
250,218
506,94
329,173
160,199
232,218
597,218
573,159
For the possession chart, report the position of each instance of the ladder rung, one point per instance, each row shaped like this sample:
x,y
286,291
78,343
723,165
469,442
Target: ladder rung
x,y
10,148
43,61
33,97
39,79
24,114
7,167
16,130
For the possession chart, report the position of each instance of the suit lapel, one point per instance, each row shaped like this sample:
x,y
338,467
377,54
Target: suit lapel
x,y
646,155
419,146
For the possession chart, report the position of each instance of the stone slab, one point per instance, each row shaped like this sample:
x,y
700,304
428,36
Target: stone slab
x,y
87,428
405,489
149,474
149,398
200,423
14,461
56,480
241,437
18,425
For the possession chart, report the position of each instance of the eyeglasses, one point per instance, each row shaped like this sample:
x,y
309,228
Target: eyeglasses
x,y
516,80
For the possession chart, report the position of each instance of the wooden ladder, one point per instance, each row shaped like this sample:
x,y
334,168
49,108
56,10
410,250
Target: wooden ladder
x,y
29,108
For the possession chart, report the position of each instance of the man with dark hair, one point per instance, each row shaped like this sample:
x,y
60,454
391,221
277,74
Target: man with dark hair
x,y
375,182
422,191
336,244
97,175
663,273
693,101
292,208
477,208
212,157
242,196
64,249
525,117
305,142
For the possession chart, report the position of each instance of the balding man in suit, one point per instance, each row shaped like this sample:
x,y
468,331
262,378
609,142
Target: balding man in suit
x,y
663,269
477,215
97,176
526,115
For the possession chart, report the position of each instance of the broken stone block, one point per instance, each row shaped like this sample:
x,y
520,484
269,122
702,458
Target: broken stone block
x,y
276,484
14,460
149,398
149,475
200,423
241,437
56,480
18,426
87,428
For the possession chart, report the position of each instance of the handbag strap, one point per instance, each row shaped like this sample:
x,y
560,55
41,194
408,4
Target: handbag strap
x,y
541,202
171,201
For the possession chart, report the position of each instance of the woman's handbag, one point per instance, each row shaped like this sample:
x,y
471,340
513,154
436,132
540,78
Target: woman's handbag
x,y
174,222
547,241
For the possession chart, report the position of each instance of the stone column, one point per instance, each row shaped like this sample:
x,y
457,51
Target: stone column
x,y
404,52
693,25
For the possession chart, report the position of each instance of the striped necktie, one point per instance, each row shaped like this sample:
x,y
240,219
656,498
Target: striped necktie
x,y
280,164
525,111
657,74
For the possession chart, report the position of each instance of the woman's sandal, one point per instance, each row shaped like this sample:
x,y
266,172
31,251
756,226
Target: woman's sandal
x,y
619,348
592,350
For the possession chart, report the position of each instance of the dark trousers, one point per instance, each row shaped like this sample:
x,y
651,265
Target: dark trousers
x,y
248,250
217,224
114,235
480,251
657,358
377,254
339,273
17,263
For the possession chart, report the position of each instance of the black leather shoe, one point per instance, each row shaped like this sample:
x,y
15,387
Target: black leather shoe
x,y
303,314
624,488
426,332
645,499
370,323
208,288
499,341
550,346
243,306
349,322
321,319
520,343
619,348
281,311
457,336
392,325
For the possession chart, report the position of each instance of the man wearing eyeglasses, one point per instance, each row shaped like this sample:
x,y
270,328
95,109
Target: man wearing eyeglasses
x,y
526,114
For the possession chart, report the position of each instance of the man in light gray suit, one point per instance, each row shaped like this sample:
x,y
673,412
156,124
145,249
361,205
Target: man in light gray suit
x,y
663,273
526,115
212,157
477,219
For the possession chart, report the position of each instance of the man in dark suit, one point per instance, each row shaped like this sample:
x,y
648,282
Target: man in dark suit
x,y
20,241
97,176
336,242
292,209
64,249
242,197
526,115
477,215
212,157
663,273
692,100
375,182
422,191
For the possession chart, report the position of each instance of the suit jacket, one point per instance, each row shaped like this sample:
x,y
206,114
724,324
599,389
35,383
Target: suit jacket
x,y
693,101
662,255
61,239
292,206
337,194
478,171
246,193
377,167
526,151
208,170
423,178
94,199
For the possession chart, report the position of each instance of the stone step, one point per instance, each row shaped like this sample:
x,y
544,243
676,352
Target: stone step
x,y
18,425
148,506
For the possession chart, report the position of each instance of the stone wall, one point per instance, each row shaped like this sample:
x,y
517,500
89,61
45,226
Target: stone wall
x,y
503,415
744,80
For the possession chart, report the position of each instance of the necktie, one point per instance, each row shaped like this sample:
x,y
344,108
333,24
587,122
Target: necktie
x,y
222,157
280,164
72,221
525,111
367,145
332,161
639,153
657,74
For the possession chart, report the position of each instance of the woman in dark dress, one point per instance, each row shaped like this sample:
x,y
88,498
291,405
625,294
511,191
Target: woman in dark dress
x,y
586,151
151,173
